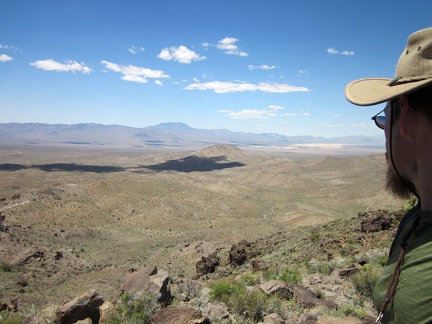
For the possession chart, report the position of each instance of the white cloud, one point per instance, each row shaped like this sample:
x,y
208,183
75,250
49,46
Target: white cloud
x,y
247,114
296,114
362,125
262,67
347,52
135,73
10,47
180,54
135,50
273,107
302,73
253,113
225,87
332,125
158,82
228,45
134,78
5,58
333,51
68,66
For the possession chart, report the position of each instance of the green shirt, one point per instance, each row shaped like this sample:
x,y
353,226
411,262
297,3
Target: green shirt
x,y
412,302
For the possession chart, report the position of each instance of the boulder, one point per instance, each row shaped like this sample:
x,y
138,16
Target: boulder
x,y
278,287
85,321
153,281
217,312
273,318
242,252
207,264
80,308
105,311
303,296
178,314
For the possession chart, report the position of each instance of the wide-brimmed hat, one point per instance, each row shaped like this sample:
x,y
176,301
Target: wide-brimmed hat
x,y
413,71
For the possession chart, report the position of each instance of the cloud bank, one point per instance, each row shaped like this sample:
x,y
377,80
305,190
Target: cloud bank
x,y
225,87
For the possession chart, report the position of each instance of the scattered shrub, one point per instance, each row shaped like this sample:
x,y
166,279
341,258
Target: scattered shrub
x,y
324,267
248,307
248,279
188,290
221,291
286,274
5,267
252,306
351,310
364,281
134,309
26,312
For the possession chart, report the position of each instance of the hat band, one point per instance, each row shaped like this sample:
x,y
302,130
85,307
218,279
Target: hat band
x,y
400,80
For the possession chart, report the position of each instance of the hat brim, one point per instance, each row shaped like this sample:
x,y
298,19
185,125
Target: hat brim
x,y
373,91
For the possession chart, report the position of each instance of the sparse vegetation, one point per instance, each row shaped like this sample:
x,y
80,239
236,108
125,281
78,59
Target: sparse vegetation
x,y
248,306
109,222
5,267
284,274
11,317
134,309
364,281
348,309
324,267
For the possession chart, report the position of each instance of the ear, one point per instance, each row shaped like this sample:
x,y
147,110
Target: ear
x,y
407,120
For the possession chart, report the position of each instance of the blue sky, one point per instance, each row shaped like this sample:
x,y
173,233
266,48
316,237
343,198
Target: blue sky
x,y
254,66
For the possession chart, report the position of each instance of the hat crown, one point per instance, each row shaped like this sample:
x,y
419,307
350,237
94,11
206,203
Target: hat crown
x,y
413,72
415,62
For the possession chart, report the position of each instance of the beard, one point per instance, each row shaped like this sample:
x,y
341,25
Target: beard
x,y
399,187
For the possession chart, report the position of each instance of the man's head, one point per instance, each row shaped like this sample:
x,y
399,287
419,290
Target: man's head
x,y
408,96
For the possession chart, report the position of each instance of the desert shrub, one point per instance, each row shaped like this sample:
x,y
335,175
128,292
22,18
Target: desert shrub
x,y
134,309
188,289
5,267
26,312
248,279
222,290
376,257
284,274
7,317
247,306
251,306
315,235
365,280
324,267
350,310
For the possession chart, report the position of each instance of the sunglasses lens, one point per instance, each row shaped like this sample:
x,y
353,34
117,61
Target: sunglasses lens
x,y
380,121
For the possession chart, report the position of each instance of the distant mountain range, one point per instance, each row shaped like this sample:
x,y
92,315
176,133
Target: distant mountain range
x,y
172,135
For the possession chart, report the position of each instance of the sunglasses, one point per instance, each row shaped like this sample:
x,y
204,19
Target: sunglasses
x,y
380,121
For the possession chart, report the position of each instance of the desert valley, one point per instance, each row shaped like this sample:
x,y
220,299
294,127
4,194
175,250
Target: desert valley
x,y
79,217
